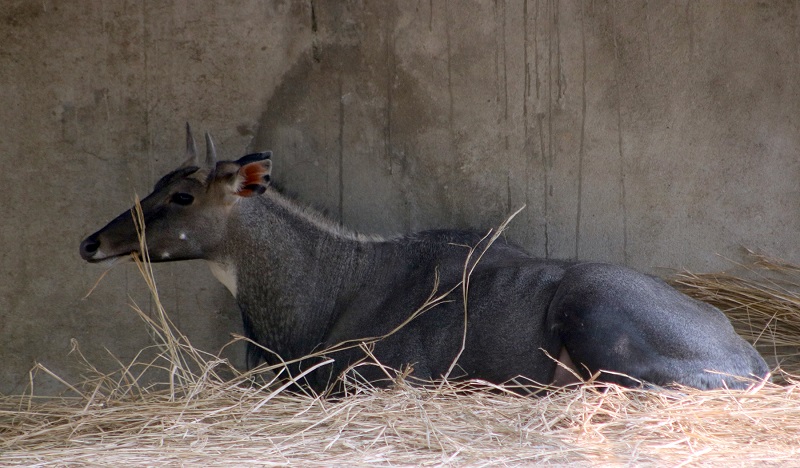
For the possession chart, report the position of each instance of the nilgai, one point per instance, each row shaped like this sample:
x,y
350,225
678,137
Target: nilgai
x,y
305,284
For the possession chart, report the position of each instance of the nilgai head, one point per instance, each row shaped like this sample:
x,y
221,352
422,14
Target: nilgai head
x,y
185,215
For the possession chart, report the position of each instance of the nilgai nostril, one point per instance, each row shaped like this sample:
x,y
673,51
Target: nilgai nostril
x,y
89,247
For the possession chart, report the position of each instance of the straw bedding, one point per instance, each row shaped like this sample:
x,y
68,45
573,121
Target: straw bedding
x,y
202,412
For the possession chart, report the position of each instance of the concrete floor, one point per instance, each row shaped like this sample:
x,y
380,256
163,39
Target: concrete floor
x,y
657,134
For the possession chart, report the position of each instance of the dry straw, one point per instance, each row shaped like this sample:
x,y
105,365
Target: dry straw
x,y
206,413
762,301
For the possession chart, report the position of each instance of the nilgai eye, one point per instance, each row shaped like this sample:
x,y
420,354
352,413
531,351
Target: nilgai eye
x,y
182,198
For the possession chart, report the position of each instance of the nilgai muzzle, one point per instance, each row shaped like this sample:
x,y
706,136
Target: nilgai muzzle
x,y
305,284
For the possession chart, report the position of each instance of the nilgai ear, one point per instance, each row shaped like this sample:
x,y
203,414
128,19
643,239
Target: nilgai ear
x,y
247,177
191,148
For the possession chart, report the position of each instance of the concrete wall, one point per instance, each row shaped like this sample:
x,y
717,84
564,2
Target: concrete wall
x,y
657,134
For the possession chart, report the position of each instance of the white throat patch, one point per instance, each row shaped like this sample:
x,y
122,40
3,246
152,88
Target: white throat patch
x,y
225,274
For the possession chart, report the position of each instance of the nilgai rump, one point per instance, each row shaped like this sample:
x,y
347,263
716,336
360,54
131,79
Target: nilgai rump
x,y
305,284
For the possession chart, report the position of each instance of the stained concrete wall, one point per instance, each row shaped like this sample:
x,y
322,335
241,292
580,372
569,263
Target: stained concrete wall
x,y
657,134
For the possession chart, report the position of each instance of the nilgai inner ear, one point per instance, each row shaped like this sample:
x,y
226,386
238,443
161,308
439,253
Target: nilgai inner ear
x,y
255,178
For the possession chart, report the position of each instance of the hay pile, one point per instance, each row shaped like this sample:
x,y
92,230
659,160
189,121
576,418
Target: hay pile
x,y
764,310
220,425
206,413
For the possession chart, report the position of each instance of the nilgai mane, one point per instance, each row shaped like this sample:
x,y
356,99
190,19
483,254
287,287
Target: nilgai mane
x,y
305,284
